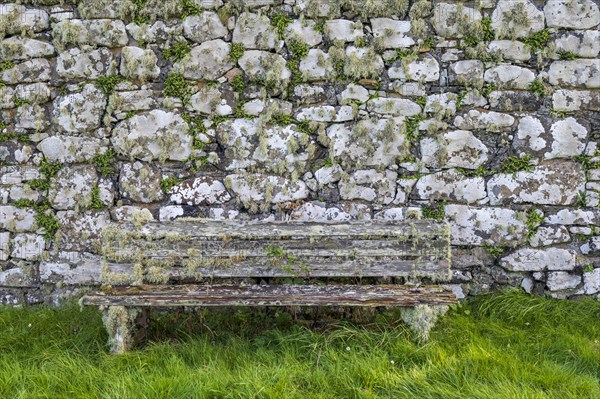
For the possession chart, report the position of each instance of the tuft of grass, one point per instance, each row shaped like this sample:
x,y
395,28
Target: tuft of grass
x,y
280,22
108,83
96,202
177,51
189,7
412,126
435,211
105,162
537,87
499,346
6,65
495,251
516,164
566,55
236,52
538,40
238,84
533,222
167,184
176,85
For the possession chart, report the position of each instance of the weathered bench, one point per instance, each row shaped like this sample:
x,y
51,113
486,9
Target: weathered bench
x,y
195,263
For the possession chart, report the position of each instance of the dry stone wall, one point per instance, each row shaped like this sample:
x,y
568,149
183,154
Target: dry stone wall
x,y
483,113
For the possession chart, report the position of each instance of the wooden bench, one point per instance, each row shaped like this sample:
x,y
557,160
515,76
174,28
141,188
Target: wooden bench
x,y
193,263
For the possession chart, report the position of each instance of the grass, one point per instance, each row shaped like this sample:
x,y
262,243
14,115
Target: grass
x,y
502,346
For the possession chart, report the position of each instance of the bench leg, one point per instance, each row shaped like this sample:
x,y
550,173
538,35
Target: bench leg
x,y
121,324
421,319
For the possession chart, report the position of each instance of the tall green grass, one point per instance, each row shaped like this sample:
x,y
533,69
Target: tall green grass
x,y
501,346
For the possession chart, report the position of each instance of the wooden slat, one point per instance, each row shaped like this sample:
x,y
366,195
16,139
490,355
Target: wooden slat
x,y
325,247
435,269
211,229
271,295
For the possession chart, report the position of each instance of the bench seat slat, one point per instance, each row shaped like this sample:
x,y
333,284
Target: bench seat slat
x,y
271,295
249,230
255,248
433,268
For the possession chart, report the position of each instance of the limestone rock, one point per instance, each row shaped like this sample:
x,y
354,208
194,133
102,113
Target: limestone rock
x,y
392,33
478,226
254,31
371,143
575,100
101,32
15,18
80,230
556,183
534,260
28,246
459,148
204,27
529,20
583,43
467,73
579,73
354,92
562,281
314,212
506,76
203,190
36,70
17,48
568,139
266,66
574,14
393,106
591,282
139,64
510,49
304,31
424,69
343,29
316,66
490,121
208,61
79,112
16,220
369,185
326,113
450,185
258,188
72,187
550,235
69,149
450,20
84,63
153,135
140,182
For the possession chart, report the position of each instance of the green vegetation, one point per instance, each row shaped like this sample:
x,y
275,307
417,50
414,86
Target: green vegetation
x,y
238,84
236,52
537,87
537,40
8,136
487,89
488,33
429,42
189,7
139,17
412,126
499,346
581,199
48,170
589,268
6,65
435,212
176,85
108,83
516,164
96,202
279,22
566,55
21,101
495,251
105,162
167,184
481,171
44,217
534,219
589,162
196,127
177,51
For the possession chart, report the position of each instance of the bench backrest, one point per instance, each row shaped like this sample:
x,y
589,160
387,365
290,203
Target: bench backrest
x,y
192,250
